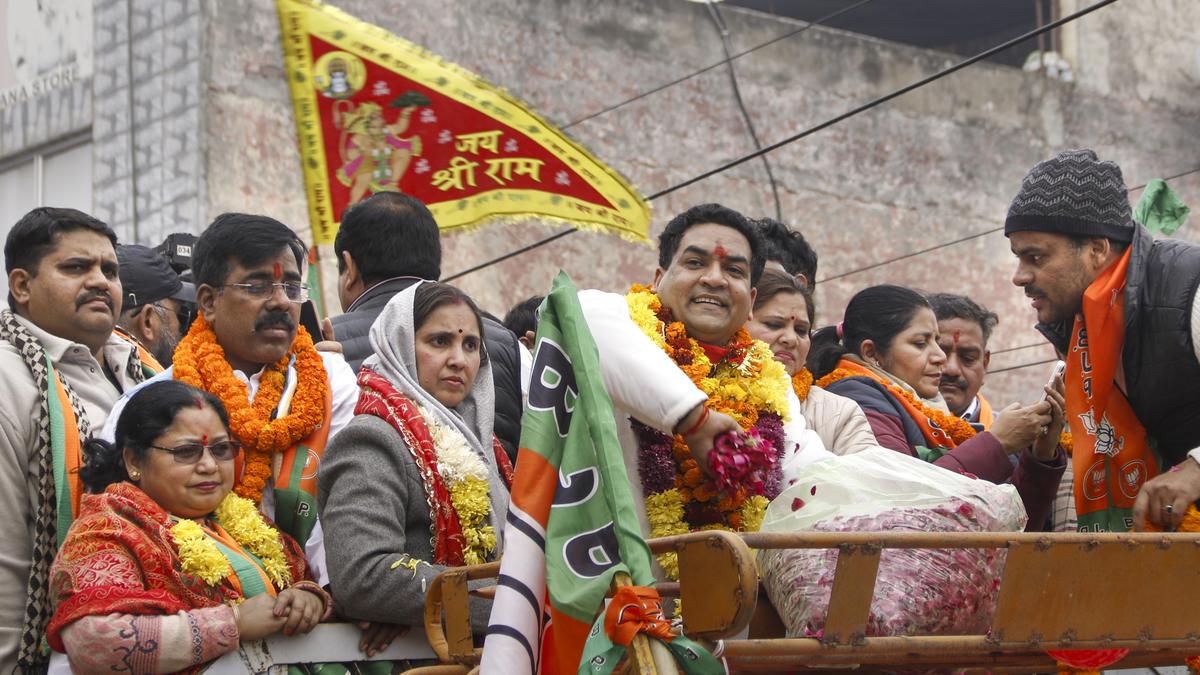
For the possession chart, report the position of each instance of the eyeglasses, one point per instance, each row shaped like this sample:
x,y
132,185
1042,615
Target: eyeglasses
x,y
184,315
265,289
190,453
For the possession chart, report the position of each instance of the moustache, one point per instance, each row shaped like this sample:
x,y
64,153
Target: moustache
x,y
273,319
956,382
1033,291
85,299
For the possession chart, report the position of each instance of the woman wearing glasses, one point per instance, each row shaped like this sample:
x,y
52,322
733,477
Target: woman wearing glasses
x,y
165,569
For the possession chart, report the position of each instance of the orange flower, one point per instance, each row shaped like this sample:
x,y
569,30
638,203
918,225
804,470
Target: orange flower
x,y
200,362
802,381
956,427
739,366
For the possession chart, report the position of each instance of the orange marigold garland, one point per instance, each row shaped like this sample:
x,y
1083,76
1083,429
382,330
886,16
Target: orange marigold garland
x,y
959,429
200,362
802,382
747,384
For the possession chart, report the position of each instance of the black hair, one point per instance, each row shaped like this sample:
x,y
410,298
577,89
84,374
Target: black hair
x,y
878,313
243,238
35,235
146,416
390,234
951,306
773,282
789,247
430,296
522,318
672,234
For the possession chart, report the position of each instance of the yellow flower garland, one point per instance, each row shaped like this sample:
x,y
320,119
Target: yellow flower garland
x,y
758,383
200,557
465,474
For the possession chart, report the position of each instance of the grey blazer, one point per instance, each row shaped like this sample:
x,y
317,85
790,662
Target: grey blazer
x,y
374,512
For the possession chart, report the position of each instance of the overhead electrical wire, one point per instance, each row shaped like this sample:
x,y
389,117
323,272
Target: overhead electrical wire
x,y
723,29
1013,349
718,64
969,237
812,130
1023,365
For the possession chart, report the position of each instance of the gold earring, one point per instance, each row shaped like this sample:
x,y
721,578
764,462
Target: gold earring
x,y
135,475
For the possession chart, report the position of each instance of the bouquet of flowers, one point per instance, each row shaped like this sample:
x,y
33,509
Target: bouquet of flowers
x,y
742,460
917,591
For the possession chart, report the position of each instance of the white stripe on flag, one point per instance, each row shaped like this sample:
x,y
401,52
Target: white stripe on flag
x,y
513,643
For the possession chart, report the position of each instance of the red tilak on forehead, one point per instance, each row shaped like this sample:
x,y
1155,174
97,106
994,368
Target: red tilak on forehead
x,y
203,439
956,335
278,271
720,252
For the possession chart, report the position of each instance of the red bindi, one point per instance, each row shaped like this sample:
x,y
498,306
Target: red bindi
x,y
278,270
720,252
203,439
957,334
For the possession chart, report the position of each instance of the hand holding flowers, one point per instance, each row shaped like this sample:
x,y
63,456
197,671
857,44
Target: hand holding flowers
x,y
741,459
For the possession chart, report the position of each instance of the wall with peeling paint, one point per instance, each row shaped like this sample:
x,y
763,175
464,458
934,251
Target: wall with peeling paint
x,y
935,165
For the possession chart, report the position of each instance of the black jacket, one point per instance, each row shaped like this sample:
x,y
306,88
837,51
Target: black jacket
x,y
1162,375
353,328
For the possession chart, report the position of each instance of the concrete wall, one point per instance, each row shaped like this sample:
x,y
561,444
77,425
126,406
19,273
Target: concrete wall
x,y
52,97
149,171
937,164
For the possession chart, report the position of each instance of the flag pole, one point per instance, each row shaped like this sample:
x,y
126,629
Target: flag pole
x,y
646,656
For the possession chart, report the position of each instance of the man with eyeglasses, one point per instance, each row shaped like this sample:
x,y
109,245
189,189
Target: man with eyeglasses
x,y
156,302
285,399
63,369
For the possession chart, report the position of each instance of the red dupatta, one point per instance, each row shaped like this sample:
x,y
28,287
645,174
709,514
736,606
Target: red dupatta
x,y
379,398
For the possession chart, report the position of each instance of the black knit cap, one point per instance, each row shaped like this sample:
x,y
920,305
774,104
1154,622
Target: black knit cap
x,y
1073,193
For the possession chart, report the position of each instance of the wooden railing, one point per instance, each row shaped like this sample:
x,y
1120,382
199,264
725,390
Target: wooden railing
x,y
1057,591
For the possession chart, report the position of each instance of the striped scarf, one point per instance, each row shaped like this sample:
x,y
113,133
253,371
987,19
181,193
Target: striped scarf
x,y
31,658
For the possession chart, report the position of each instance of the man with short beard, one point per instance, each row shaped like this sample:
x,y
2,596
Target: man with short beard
x,y
246,345
1122,309
154,300
674,391
63,370
963,332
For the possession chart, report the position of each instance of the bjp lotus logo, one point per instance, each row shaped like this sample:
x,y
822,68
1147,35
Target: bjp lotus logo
x,y
1107,441
1133,474
1094,482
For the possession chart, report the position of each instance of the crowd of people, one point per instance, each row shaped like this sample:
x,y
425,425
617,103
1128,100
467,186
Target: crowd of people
x,y
185,467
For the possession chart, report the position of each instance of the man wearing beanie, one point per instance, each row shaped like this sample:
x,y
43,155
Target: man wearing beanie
x,y
1121,309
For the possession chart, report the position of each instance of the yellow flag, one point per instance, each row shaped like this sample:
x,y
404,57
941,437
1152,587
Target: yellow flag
x,y
375,112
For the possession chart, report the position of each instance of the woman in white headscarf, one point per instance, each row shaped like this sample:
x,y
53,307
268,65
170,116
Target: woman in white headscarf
x,y
416,482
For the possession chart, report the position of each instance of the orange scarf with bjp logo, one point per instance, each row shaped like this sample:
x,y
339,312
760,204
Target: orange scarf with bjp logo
x,y
1111,457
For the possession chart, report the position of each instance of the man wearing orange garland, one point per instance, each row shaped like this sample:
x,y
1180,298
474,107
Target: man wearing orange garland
x,y
285,398
681,370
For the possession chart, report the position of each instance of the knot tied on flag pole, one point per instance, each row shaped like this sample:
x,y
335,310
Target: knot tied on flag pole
x,y
633,610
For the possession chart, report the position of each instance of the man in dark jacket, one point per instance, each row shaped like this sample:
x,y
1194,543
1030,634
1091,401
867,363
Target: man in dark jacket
x,y
386,243
1121,309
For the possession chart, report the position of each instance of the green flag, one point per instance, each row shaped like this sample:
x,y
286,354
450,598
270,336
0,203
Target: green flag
x,y
572,524
1160,209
